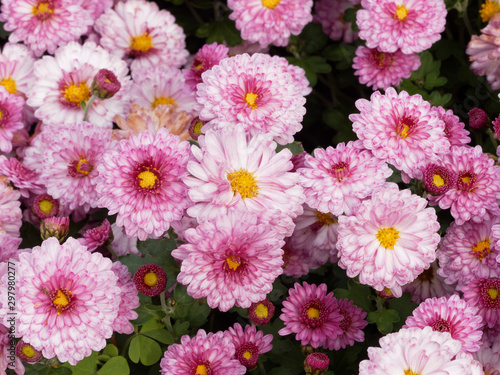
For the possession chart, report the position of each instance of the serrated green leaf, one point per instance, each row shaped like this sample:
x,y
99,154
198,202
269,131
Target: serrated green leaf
x,y
161,335
295,147
110,350
404,307
115,366
181,328
384,320
359,294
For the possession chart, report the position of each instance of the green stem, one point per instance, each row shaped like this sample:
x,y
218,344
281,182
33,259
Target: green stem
x,y
467,23
493,138
167,312
87,107
261,368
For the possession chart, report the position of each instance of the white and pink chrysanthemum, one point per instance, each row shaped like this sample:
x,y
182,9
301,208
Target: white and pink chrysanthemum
x,y
23,178
142,182
475,195
11,108
400,129
232,260
390,240
44,25
351,325
207,56
330,14
270,21
9,245
129,299
254,92
123,244
296,260
454,129
98,237
140,32
249,343
63,81
380,70
211,353
409,25
7,359
336,180
298,74
66,294
10,210
485,294
489,358
450,314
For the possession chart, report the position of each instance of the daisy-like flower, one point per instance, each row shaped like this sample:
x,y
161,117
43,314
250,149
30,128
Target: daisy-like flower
x,y
10,211
248,344
409,25
253,92
27,353
330,14
489,360
484,294
336,180
44,206
312,314
140,32
454,129
400,129
44,25
211,353
65,294
24,179
232,260
351,325
11,107
63,81
474,196
150,279
270,21
438,179
129,299
207,56
453,315
390,240
232,173
142,182
380,70
260,313
468,252
97,237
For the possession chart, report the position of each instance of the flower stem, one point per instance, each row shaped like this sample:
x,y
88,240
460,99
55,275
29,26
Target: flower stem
x,y
87,107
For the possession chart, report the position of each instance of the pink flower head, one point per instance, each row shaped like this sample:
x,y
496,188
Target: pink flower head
x,y
142,182
150,280
44,206
44,25
352,325
489,359
484,294
409,25
16,68
316,363
260,313
232,260
454,129
330,14
129,299
57,227
97,237
11,107
9,246
312,314
211,353
10,210
24,179
400,129
270,21
252,92
206,57
144,35
248,343
390,240
496,127
478,119
296,260
27,353
6,362
123,244
298,74
380,70
438,179
105,84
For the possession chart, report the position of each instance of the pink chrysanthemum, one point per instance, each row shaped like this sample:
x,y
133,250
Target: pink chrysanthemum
x,y
10,211
260,313
468,252
233,173
7,359
475,195
400,129
390,240
140,32
211,353
97,7
123,244
142,182
65,294
96,237
336,180
438,179
316,363
44,25
330,14
409,25
11,107
129,299
24,179
206,57
454,129
9,245
252,92
232,260
489,360
484,293
270,21
296,261
380,70
62,82
248,344
312,314
298,74
352,325
453,315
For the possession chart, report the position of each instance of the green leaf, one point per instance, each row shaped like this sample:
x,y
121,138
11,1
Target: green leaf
x,y
295,147
152,325
220,31
134,349
86,366
44,369
115,366
144,349
404,306
384,320
155,247
359,294
181,328
161,335
312,38
110,350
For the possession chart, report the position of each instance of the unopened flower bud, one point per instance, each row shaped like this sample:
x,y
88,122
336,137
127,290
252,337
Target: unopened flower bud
x,y
105,84
478,119
57,227
316,363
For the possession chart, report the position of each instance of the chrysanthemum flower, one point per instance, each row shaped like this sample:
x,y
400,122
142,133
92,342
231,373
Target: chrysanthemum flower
x,y
409,25
233,173
150,280
65,294
206,57
453,315
97,7
380,70
298,74
142,182
24,179
260,313
352,325
438,179
5,351
316,363
232,260
57,227
10,210
270,21
62,82
211,353
44,25
400,129
489,360
27,353
484,293
312,314
454,129
478,119
296,261
96,237
129,299
45,206
123,244
9,245
390,240
11,107
253,92
140,32
105,84
330,14
248,344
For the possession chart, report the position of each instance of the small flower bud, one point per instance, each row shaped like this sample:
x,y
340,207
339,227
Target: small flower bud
x,y
150,280
44,206
316,363
195,128
57,227
496,127
260,313
105,84
478,119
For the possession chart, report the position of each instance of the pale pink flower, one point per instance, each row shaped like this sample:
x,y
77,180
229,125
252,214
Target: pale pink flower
x,y
352,325
206,57
129,299
23,178
296,261
489,360
454,129
10,210
298,74
248,344
11,107
6,362
9,246
330,14
123,244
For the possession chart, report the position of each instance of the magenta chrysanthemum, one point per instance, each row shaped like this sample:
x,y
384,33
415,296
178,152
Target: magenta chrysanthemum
x,y
232,260
129,299
97,236
253,92
150,279
210,353
11,107
409,25
352,325
453,315
207,56
248,344
312,314
380,70
10,211
45,206
438,179
65,294
484,293
260,313
390,240
270,21
142,182
454,129
330,14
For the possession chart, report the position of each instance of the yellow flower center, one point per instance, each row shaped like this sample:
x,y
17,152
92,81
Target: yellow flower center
x,y
201,370
163,100
9,84
387,291
197,127
45,206
147,179
233,263
488,9
42,10
243,182
79,169
1,114
404,131
388,237
402,12
493,293
438,180
250,98
325,219
247,355
270,3
141,43
150,279
261,311
61,300
76,93
466,179
482,248
28,351
410,372
313,313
